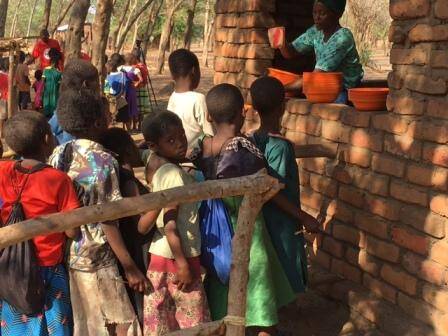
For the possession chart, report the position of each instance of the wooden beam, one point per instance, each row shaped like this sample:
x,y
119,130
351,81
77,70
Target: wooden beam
x,y
257,183
315,151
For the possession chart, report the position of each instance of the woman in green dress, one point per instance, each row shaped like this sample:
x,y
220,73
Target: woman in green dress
x,y
228,155
283,215
52,78
333,45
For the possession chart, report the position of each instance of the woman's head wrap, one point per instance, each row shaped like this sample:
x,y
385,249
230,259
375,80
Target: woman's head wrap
x,y
337,6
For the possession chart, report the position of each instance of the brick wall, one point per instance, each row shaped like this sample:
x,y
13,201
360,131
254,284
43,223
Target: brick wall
x,y
385,198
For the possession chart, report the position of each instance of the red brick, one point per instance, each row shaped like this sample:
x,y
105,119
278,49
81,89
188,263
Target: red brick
x,y
439,204
352,117
439,59
381,249
405,105
423,220
395,79
397,34
404,146
386,208
409,9
257,67
369,139
298,106
255,51
400,279
441,9
351,195
328,111
437,107
309,125
417,56
439,253
425,33
440,322
254,6
425,269
304,177
297,138
349,272
390,123
226,20
437,154
310,198
340,211
316,165
346,233
368,263
428,176
342,175
333,247
410,240
322,258
431,131
374,183
372,224
351,255
409,194
358,156
425,84
380,288
438,297
416,308
388,165
335,131
256,20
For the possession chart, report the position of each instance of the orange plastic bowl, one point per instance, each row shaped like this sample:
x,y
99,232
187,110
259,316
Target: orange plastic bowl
x,y
322,87
368,99
285,78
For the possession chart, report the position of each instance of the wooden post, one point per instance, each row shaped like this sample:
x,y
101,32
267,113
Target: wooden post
x,y
13,234
12,99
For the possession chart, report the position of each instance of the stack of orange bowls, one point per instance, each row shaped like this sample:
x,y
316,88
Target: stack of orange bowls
x,y
322,87
285,78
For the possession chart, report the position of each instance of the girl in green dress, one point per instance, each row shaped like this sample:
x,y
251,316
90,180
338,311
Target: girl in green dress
x,y
52,78
227,155
283,216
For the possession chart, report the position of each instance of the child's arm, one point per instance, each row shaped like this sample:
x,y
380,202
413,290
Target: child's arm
x,y
137,281
184,275
146,222
139,80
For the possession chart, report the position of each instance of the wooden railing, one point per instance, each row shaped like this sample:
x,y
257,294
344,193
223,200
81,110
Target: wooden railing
x,y
257,189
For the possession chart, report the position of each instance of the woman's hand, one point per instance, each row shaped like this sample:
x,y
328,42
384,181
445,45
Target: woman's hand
x,y
184,276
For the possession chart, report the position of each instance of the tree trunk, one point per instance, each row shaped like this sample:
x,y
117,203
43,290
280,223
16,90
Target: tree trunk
x,y
62,16
171,8
205,37
129,15
131,22
3,15
189,28
30,21
207,44
136,27
120,24
76,29
14,20
47,12
101,27
151,25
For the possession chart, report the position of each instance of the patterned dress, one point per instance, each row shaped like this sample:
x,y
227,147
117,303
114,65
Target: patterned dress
x,y
268,288
95,283
52,78
337,54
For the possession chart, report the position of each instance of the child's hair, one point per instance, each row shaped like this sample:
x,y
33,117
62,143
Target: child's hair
x,y
4,64
155,125
54,55
181,62
25,131
118,141
22,56
38,74
77,73
129,58
78,110
268,93
116,60
224,103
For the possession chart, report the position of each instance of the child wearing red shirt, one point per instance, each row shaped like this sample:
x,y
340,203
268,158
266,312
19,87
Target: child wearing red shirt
x,y
44,192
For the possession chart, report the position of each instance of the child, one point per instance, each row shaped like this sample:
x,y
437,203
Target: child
x,y
282,214
23,82
101,305
116,88
52,78
44,192
228,155
177,299
144,104
38,87
118,141
135,77
185,102
4,64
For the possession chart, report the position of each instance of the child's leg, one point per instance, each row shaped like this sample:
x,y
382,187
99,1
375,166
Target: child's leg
x,y
158,306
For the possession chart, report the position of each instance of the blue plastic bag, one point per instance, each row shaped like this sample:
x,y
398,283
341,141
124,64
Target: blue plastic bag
x,y
216,238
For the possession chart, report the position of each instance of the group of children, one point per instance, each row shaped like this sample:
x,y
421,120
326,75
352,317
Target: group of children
x,y
143,273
